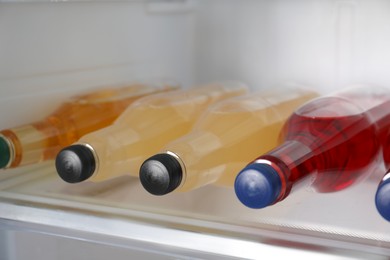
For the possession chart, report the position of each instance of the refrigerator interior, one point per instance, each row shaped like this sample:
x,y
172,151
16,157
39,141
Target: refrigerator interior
x,y
52,50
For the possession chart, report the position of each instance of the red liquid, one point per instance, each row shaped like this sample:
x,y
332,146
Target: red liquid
x,y
386,149
334,139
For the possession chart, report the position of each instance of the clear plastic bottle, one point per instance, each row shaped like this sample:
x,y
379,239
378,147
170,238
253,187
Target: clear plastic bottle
x,y
335,139
42,140
145,127
228,135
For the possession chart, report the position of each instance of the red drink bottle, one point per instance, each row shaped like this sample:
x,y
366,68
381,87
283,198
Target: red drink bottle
x,y
334,139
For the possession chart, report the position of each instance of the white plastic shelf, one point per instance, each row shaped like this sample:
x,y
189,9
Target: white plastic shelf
x,y
205,223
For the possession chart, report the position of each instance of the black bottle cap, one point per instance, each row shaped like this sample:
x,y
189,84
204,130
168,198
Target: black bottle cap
x,y
160,174
75,163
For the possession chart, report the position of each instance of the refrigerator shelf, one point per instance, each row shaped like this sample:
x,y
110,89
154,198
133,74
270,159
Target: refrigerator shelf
x,y
34,199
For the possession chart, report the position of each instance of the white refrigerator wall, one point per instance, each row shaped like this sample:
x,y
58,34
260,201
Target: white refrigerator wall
x,y
47,47
324,44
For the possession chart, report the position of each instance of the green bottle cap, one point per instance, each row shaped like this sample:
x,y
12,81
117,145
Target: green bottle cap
x,y
5,153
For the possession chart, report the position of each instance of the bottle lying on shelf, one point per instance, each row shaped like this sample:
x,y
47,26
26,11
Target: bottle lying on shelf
x,y
227,136
382,195
42,140
142,130
335,139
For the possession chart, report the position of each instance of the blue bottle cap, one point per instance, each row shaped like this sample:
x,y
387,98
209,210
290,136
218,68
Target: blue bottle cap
x,y
382,199
258,185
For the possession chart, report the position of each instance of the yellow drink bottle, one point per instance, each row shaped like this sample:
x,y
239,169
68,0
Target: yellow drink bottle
x,y
228,136
42,140
142,130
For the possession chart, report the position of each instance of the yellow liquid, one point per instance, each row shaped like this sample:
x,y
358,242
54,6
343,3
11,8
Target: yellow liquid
x,y
233,133
150,123
81,114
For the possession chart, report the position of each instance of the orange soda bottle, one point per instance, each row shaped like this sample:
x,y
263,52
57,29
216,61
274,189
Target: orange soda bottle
x,y
42,140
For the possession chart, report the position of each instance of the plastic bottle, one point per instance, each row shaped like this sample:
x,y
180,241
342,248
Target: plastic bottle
x,y
228,135
145,127
42,140
382,195
334,139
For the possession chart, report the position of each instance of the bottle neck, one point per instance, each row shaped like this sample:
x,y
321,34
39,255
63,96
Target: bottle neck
x,y
118,151
202,157
27,145
293,161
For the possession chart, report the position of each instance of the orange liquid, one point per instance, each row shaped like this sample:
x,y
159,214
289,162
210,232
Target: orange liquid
x,y
80,115
232,133
147,125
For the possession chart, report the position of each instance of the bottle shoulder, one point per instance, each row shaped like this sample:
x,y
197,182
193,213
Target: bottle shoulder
x,y
200,95
347,102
